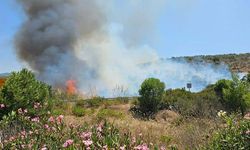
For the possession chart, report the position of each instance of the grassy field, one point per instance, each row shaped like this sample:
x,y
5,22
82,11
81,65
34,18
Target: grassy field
x,y
168,128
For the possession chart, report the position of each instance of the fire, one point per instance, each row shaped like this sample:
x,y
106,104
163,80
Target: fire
x,y
71,87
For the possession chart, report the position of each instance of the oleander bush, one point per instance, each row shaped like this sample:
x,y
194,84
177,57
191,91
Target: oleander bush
x,y
50,132
236,134
23,90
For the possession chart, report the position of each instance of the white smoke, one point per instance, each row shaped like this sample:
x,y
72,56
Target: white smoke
x,y
107,43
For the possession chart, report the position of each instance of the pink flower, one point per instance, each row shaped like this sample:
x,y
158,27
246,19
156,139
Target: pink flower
x,y
51,119
25,111
36,119
46,126
133,140
105,147
142,147
247,116
99,128
23,146
59,119
86,135
23,133
87,143
44,147
122,147
162,148
2,106
68,143
12,138
248,132
30,146
31,132
37,105
20,111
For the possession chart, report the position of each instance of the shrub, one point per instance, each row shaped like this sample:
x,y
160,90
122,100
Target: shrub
x,y
235,136
50,132
151,94
78,111
235,96
22,90
94,102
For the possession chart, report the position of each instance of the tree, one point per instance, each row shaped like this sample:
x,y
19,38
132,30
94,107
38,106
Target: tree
x,y
151,94
236,96
22,90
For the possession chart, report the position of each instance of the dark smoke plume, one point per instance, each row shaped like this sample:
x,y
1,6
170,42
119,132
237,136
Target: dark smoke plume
x,y
53,27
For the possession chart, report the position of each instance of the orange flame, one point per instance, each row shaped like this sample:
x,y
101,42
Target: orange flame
x,y
71,87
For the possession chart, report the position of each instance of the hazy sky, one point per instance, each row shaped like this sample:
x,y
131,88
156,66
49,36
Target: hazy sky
x,y
186,27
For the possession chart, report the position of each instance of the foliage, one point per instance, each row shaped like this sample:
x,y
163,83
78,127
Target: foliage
x,y
151,94
236,135
202,104
78,111
50,132
220,85
22,90
235,96
109,113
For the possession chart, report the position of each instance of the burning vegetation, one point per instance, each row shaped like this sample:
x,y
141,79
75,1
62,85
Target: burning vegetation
x,y
71,87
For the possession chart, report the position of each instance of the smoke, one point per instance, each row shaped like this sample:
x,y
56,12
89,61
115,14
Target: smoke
x,y
48,37
101,45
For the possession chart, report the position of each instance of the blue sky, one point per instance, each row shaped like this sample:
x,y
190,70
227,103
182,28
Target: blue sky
x,y
186,27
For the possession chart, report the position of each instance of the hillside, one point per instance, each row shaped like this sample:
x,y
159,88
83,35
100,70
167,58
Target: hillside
x,y
236,62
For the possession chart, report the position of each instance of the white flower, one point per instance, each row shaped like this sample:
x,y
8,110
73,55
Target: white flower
x,y
221,113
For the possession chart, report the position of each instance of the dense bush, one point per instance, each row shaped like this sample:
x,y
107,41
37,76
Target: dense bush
x,y
22,90
234,94
50,132
151,94
236,135
202,104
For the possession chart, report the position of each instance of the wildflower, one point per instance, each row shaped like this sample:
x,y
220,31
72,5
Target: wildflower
x,y
51,119
12,138
247,116
248,132
68,143
46,126
59,119
142,147
31,132
105,147
133,140
88,142
44,147
221,113
36,119
20,111
23,133
86,135
37,105
122,147
30,146
23,146
100,127
162,148
25,111
2,106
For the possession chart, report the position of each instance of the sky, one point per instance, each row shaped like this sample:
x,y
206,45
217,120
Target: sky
x,y
184,28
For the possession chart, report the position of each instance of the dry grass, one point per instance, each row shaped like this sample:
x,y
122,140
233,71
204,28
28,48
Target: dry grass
x,y
169,128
